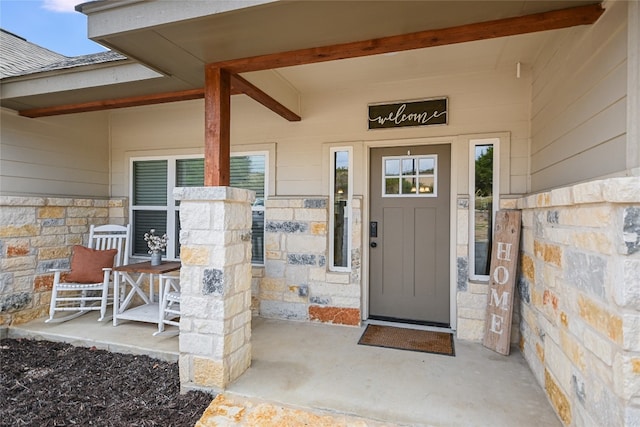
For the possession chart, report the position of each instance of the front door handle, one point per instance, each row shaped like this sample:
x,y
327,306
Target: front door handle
x,y
373,244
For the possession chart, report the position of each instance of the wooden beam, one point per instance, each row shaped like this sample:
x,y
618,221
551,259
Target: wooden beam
x,y
240,84
217,138
564,18
133,101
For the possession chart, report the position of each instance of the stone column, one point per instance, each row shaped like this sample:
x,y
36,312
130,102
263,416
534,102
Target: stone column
x,y
215,279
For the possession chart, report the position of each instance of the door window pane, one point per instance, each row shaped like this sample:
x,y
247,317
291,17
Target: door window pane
x,y
392,167
426,185
392,186
408,167
408,185
410,176
427,166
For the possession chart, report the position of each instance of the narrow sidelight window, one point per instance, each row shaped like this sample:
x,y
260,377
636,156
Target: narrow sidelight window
x,y
483,204
340,209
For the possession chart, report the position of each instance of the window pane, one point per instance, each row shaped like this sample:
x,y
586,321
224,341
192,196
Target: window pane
x,y
257,237
483,209
190,173
150,183
340,211
177,239
408,186
426,166
391,186
392,167
408,167
340,233
426,185
341,175
248,172
143,221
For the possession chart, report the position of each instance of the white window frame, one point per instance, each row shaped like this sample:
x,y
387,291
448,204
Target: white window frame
x,y
349,210
171,207
417,193
473,143
266,191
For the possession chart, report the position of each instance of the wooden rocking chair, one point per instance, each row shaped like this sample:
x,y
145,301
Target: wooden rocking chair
x,y
86,286
169,305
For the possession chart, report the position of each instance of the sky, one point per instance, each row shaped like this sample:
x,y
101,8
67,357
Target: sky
x,y
53,24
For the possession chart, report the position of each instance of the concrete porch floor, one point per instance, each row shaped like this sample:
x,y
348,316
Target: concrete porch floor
x,y
322,368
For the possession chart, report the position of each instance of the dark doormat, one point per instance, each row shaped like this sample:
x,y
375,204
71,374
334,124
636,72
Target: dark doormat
x,y
408,339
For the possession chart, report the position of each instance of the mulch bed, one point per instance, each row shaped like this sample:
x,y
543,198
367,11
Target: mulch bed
x,y
45,383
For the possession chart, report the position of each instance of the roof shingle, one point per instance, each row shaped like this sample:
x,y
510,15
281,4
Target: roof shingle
x,y
19,57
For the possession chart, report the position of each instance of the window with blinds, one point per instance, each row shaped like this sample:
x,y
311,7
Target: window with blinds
x,y
248,172
153,206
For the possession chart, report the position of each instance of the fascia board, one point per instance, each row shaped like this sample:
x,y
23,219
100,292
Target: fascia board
x,y
107,18
59,81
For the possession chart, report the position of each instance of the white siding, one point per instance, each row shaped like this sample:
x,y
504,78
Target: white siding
x,y
482,102
579,104
55,156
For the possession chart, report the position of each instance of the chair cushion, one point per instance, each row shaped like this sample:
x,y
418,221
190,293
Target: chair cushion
x,y
87,264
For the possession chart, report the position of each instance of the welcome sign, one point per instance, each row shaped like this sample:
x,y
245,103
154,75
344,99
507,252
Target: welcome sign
x,y
425,112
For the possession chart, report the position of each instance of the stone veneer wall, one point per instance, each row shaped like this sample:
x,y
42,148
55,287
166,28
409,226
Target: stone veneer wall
x,y
580,299
296,282
36,234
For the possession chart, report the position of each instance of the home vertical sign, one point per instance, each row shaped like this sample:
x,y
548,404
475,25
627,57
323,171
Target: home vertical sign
x,y
502,276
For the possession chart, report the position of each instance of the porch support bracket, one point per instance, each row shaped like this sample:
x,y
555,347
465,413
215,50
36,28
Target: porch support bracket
x,y
241,85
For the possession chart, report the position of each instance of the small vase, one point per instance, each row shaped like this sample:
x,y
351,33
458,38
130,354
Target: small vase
x,y
156,258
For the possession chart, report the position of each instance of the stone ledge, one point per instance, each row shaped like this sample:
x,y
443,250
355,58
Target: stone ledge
x,y
21,201
214,193
61,201
613,190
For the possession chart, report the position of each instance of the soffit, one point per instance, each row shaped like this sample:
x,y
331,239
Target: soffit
x,y
182,48
178,51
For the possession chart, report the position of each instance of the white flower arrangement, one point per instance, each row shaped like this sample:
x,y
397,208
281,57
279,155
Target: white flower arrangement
x,y
155,243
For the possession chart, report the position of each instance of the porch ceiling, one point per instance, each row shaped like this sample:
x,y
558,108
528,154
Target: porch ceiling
x,y
181,49
178,44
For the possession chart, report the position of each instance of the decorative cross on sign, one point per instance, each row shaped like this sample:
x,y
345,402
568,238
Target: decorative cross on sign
x,y
502,276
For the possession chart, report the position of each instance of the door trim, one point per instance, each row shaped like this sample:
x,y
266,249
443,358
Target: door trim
x,y
455,161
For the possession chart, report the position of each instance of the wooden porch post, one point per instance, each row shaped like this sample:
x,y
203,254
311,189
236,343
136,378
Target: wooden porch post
x,y
217,141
